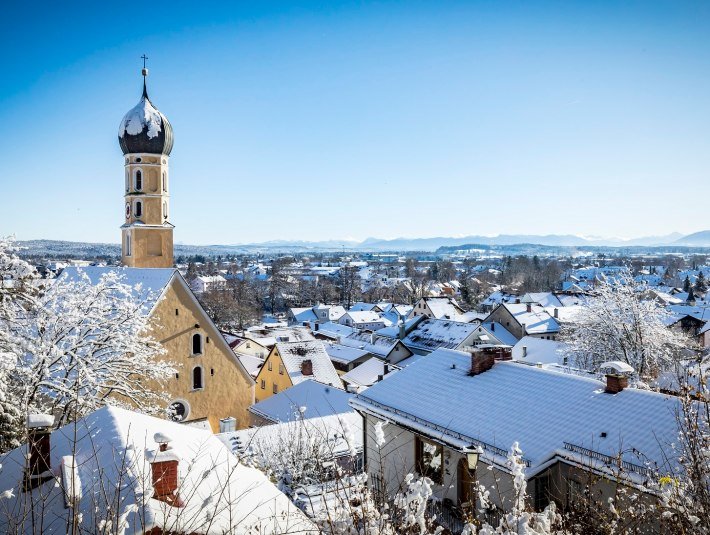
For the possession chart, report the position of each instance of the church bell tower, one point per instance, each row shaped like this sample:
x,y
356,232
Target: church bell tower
x,y
146,139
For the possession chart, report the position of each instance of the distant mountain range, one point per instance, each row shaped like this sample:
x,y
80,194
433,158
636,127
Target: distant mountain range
x,y
432,244
82,250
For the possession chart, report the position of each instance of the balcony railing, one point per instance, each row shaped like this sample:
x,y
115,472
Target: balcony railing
x,y
610,461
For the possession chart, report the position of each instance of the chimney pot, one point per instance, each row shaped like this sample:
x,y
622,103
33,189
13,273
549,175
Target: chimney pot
x,y
164,471
529,307
557,313
307,367
525,351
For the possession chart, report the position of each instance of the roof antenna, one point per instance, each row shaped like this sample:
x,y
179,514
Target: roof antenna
x,y
144,72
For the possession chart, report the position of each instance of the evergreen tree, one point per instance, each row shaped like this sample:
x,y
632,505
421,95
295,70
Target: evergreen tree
x,y
686,284
701,284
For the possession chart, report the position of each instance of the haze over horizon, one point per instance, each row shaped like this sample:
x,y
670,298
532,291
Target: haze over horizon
x,y
352,120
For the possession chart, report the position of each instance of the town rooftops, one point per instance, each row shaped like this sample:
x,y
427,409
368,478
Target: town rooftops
x,y
549,413
220,494
308,399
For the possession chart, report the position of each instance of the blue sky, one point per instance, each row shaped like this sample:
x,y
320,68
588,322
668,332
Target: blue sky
x,y
334,120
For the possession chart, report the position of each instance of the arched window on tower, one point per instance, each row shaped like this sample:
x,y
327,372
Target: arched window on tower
x,y
197,344
128,245
139,180
197,379
139,209
165,209
165,181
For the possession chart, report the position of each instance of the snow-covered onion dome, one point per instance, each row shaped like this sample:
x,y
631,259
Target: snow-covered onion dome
x,y
144,129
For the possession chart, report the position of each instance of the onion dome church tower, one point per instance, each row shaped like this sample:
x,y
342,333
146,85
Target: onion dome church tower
x,y
146,139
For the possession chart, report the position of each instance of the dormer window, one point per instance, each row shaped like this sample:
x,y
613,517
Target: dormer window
x,y
139,180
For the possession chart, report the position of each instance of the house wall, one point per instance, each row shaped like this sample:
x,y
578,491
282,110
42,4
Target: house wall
x,y
398,353
397,457
250,347
227,392
506,319
278,375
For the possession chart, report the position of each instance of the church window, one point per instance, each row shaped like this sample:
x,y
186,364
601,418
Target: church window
x,y
128,245
165,181
165,209
197,344
139,209
197,380
138,160
139,180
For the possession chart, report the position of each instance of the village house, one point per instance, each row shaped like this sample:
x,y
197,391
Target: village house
x,y
364,320
208,283
470,408
386,348
437,308
116,467
320,314
425,335
290,363
525,319
211,385
345,358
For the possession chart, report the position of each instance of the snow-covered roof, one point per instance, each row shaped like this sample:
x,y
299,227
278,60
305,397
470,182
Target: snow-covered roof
x,y
294,353
538,350
251,363
303,314
365,316
344,354
267,335
367,373
443,307
539,408
220,494
537,321
544,299
343,432
432,334
147,283
361,306
380,346
332,330
307,399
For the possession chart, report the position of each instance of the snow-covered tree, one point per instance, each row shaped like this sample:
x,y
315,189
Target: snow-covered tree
x,y
618,324
79,345
18,290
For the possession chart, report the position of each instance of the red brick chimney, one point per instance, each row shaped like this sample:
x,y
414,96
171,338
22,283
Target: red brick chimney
x,y
529,307
38,469
481,361
307,367
164,468
616,382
